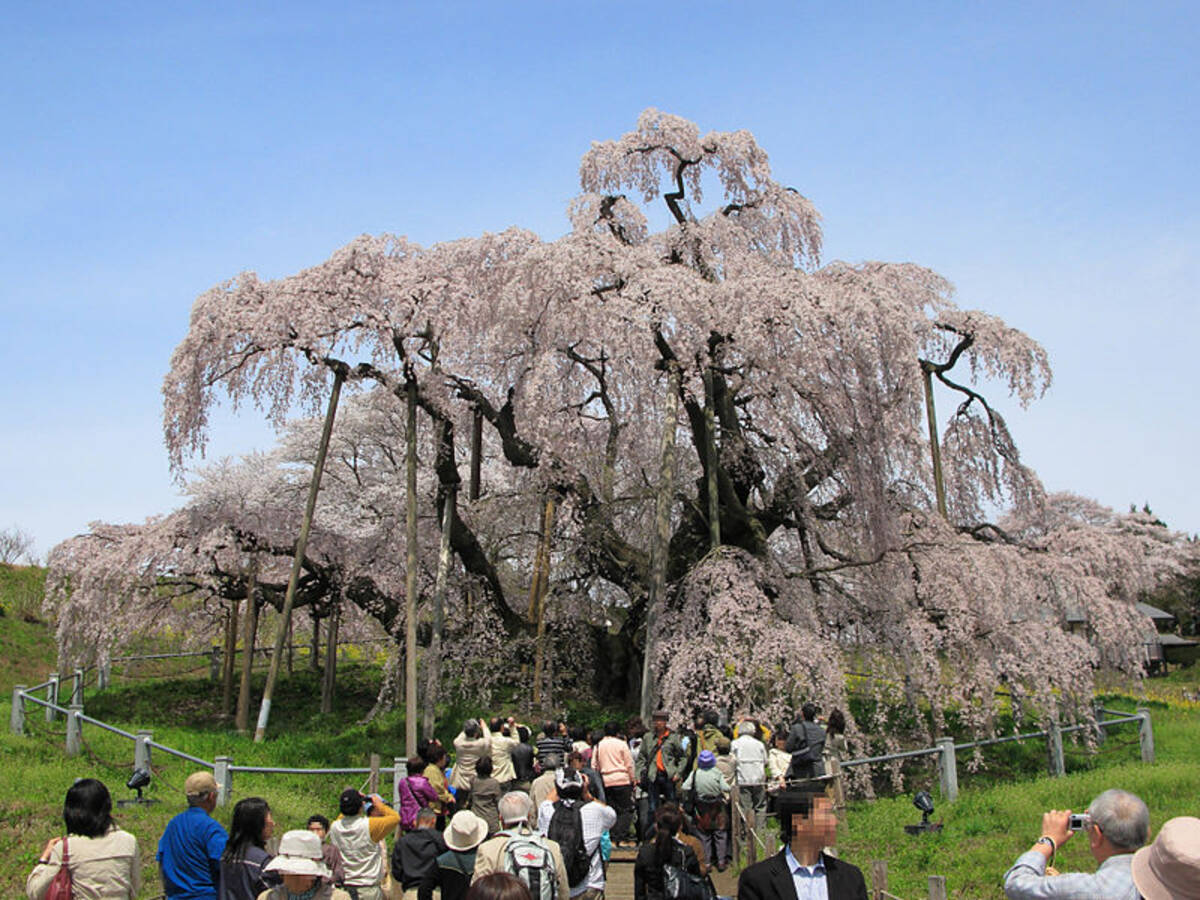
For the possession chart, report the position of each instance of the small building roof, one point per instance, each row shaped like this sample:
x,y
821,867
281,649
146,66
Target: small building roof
x,y
1154,612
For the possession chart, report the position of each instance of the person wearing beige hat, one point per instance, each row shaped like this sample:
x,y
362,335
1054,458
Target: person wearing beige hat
x,y
189,852
1116,824
456,866
301,865
1169,869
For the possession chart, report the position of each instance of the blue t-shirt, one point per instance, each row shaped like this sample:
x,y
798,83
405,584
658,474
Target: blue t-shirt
x,y
189,853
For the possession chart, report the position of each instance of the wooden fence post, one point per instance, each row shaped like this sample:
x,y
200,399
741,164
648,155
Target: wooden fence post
x,y
16,720
1146,735
1055,749
74,730
879,883
400,770
214,663
223,773
102,674
77,688
948,769
373,780
141,750
52,696
1099,713
937,887
839,787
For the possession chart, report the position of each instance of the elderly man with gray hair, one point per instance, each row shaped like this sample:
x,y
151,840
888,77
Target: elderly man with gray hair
x,y
1117,823
521,851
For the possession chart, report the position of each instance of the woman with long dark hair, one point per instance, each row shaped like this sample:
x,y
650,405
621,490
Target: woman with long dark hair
x,y
665,848
103,860
242,875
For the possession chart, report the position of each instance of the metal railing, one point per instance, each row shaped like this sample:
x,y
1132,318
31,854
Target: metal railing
x,y
222,766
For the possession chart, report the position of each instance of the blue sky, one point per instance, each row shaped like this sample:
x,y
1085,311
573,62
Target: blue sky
x,y
1041,156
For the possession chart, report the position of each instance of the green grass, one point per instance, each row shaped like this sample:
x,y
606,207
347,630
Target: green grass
x,y
996,817
21,589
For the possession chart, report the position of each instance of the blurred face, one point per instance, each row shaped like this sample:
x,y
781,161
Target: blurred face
x,y
820,827
660,726
317,829
268,827
298,884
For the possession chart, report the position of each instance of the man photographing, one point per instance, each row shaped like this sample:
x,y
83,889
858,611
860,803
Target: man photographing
x,y
1116,824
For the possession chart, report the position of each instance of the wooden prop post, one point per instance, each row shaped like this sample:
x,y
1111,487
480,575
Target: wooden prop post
x,y
541,581
249,634
410,574
710,462
662,536
433,667
935,448
264,711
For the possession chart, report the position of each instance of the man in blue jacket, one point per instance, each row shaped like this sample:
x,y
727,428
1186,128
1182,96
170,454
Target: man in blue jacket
x,y
189,852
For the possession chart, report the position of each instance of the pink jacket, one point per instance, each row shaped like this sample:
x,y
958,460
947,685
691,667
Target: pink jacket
x,y
415,792
613,760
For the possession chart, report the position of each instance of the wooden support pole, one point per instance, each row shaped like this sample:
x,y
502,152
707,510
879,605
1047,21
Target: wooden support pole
x,y
711,462
1054,749
663,502
77,687
937,887
410,574
541,588
264,710
329,677
373,778
935,447
229,659
249,635
433,665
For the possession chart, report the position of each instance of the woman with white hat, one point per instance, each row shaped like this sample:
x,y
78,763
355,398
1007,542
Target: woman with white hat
x,y
301,865
456,866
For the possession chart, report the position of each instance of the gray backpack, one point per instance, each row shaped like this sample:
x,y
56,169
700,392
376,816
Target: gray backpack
x,y
528,857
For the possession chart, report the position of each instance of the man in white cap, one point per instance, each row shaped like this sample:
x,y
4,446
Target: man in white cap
x,y
189,852
1116,823
299,863
456,866
1169,869
521,851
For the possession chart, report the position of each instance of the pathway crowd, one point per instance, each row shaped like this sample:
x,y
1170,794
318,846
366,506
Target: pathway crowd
x,y
525,815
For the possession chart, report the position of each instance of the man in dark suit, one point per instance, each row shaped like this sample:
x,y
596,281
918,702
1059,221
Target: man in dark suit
x,y
801,871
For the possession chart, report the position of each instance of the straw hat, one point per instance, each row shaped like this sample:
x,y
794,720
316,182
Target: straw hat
x,y
466,831
1169,869
299,854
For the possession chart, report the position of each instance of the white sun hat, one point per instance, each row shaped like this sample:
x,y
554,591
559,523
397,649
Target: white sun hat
x,y
299,854
466,831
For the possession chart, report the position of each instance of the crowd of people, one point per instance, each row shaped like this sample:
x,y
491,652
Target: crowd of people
x,y
534,816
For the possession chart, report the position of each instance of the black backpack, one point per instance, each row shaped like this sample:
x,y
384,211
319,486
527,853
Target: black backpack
x,y
681,884
566,828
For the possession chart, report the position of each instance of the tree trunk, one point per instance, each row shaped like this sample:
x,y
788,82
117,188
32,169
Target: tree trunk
x,y
433,655
285,620
541,581
663,502
476,454
410,580
249,633
291,642
227,664
330,676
